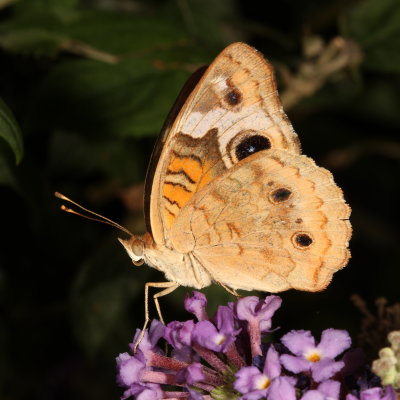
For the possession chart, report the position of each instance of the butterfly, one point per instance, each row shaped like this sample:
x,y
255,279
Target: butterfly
x,y
229,198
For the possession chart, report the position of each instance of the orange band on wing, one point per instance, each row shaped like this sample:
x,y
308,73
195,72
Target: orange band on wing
x,y
175,194
184,177
190,166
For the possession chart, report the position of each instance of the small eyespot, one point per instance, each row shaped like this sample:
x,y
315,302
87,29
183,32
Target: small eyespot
x,y
234,97
251,145
299,221
280,195
302,240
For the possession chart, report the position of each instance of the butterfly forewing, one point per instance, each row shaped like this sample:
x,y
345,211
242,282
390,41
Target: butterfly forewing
x,y
234,101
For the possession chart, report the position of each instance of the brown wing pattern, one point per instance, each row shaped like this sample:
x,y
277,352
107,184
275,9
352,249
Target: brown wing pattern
x,y
272,223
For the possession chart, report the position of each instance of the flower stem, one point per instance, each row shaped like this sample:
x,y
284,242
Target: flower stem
x,y
159,377
255,338
211,358
160,361
234,357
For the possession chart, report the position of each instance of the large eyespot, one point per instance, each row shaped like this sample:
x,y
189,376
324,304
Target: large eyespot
x,y
280,195
302,240
251,145
245,143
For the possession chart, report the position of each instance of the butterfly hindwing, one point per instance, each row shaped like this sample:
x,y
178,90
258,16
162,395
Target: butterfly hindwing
x,y
274,222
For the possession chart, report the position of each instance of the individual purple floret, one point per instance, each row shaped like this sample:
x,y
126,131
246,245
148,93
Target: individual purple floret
x,y
150,338
376,393
196,304
283,388
227,357
254,384
207,335
257,313
129,369
218,336
144,391
319,359
179,334
130,374
192,374
328,390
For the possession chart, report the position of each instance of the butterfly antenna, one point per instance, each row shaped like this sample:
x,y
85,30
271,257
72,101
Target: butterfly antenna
x,y
100,218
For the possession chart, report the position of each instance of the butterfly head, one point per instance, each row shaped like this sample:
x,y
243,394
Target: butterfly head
x,y
135,248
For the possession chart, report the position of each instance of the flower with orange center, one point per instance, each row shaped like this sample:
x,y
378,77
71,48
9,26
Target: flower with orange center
x,y
263,382
253,383
313,356
319,359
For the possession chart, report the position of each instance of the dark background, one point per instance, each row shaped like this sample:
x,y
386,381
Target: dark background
x,y
90,83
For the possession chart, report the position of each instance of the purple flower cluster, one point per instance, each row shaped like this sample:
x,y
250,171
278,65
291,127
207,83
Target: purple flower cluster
x,y
225,357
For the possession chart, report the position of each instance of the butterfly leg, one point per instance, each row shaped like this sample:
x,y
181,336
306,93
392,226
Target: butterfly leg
x,y
164,292
229,290
169,288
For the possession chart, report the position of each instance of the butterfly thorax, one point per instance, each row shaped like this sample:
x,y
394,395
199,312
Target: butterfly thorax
x,y
182,268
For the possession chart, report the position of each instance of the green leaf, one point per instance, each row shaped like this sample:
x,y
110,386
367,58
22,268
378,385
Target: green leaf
x,y
376,26
32,6
33,41
128,99
112,32
210,21
127,34
38,33
10,132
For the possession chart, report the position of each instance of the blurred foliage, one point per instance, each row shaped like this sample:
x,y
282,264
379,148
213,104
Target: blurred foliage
x,y
10,132
376,26
90,83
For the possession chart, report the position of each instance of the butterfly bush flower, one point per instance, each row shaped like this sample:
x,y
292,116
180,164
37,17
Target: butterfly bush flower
x,y
319,359
230,356
196,304
253,383
257,313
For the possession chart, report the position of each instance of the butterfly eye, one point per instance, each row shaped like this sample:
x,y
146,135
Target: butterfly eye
x,y
250,145
302,240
